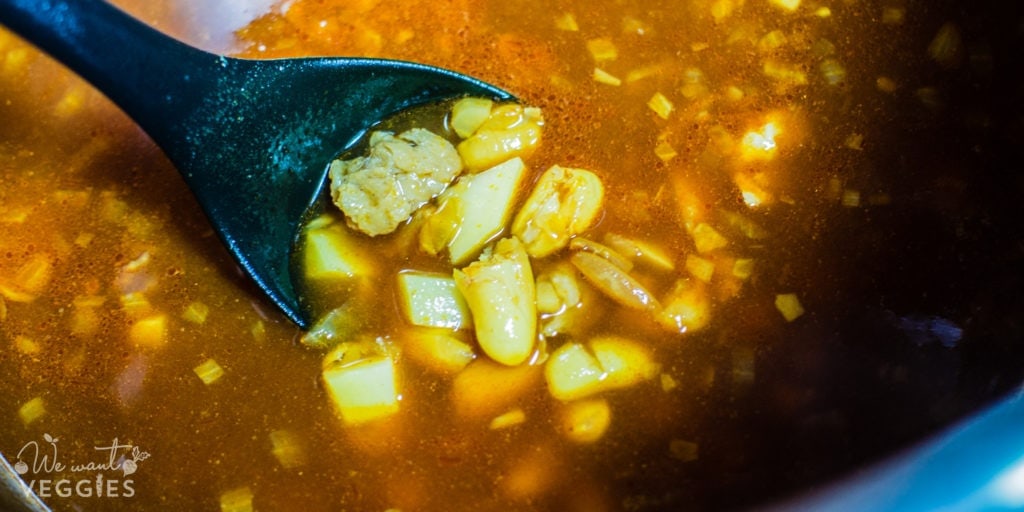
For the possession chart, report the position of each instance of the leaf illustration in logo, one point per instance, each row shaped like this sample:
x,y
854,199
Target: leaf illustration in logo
x,y
20,467
49,439
128,467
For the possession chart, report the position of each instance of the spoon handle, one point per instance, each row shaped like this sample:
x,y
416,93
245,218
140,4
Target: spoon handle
x,y
140,69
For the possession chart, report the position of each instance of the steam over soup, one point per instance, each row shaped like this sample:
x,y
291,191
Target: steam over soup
x,y
703,264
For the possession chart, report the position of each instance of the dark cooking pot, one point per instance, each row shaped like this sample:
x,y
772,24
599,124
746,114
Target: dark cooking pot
x,y
905,392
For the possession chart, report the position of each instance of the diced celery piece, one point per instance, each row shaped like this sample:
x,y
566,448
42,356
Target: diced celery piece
x,y
707,239
363,391
572,373
209,371
287,448
432,300
196,312
700,268
468,114
331,254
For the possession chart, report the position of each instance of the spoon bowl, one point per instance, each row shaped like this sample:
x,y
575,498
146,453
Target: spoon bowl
x,y
252,138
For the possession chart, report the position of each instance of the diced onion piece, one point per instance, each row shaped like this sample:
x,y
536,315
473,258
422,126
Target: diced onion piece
x,y
440,350
149,332
702,269
509,419
432,300
196,312
788,5
485,388
603,77
32,410
567,22
572,372
468,114
364,390
287,448
500,291
787,74
743,268
26,345
585,421
892,15
660,105
668,383
602,49
614,282
789,305
685,451
833,71
664,151
236,500
707,239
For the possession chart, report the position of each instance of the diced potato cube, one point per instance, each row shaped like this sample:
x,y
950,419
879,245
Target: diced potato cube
x,y
363,391
572,372
432,300
564,203
585,421
510,131
509,419
32,410
236,500
438,349
473,211
624,362
485,388
209,371
330,253
287,448
149,332
501,294
468,114
789,305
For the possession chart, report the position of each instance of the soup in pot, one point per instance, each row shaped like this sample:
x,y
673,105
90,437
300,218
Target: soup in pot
x,y
721,251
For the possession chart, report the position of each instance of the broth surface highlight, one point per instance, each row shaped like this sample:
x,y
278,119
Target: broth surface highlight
x,y
851,154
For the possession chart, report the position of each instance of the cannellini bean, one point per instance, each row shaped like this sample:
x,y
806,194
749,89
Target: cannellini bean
x,y
500,292
614,282
564,203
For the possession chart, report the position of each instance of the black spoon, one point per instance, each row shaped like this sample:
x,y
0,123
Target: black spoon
x,y
252,138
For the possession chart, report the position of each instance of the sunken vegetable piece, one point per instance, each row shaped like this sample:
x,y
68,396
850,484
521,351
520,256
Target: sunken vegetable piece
x,y
501,294
564,203
330,254
360,380
624,361
585,421
473,211
401,173
441,350
509,131
431,300
614,282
